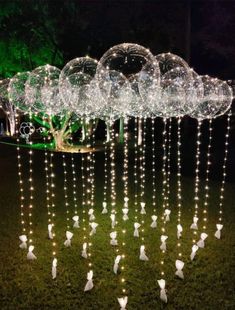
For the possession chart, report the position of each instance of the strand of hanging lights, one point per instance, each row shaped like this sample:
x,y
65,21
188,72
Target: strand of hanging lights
x,y
219,225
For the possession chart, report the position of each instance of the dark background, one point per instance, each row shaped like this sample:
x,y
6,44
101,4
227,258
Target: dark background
x,y
36,32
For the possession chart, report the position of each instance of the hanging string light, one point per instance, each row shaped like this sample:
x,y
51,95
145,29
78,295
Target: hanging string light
x,y
92,172
136,187
47,175
105,210
125,171
197,180
163,237
53,215
168,165
84,226
142,175
164,173
75,217
23,236
88,186
194,225
30,254
179,264
219,225
206,187
66,191
153,165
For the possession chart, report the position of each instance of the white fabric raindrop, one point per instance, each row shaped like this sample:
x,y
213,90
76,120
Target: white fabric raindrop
x,y
84,250
154,221
116,263
23,239
76,221
125,214
201,242
218,231
179,231
30,254
194,224
69,236
54,268
194,251
113,236
91,213
93,228
162,284
89,285
143,255
136,231
123,302
50,234
179,266
105,210
163,241
142,211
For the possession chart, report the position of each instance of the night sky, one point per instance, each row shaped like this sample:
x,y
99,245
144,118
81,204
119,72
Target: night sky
x,y
36,32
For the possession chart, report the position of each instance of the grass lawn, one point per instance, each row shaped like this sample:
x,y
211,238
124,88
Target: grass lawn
x,y
209,280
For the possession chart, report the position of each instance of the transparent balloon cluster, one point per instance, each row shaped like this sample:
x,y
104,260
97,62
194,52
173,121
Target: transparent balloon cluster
x,y
127,81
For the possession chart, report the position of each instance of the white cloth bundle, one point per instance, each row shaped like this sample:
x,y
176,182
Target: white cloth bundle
x,y
105,210
163,241
154,221
194,224
116,263
125,212
76,221
113,220
123,302
143,255
69,236
30,254
23,239
126,199
93,228
89,285
54,269
194,250
201,242
179,230
136,231
167,215
50,234
113,236
142,211
91,213
162,284
179,266
84,248
218,231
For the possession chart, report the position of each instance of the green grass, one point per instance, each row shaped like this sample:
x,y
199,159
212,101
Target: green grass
x,y
209,279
